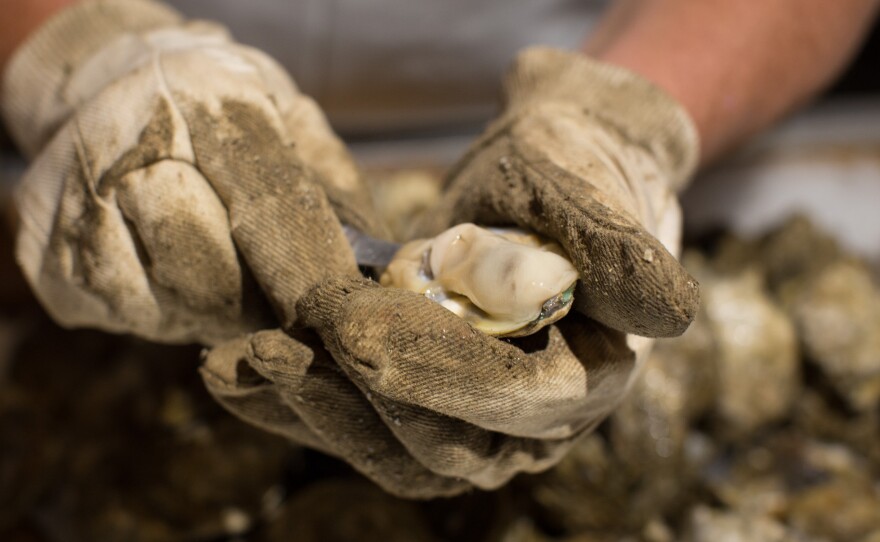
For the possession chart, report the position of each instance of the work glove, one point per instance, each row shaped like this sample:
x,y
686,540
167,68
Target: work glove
x,y
589,155
424,404
181,187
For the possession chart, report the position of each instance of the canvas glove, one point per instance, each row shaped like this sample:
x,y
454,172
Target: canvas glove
x,y
419,400
590,155
181,188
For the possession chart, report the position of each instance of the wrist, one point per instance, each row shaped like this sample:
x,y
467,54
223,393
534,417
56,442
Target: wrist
x,y
736,67
34,95
664,70
632,105
27,15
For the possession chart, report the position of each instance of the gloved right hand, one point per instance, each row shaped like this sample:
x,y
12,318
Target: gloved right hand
x,y
179,180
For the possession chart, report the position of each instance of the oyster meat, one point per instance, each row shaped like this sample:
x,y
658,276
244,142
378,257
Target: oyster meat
x,y
505,282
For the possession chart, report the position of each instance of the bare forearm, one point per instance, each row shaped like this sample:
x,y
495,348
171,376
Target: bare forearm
x,y
735,66
20,18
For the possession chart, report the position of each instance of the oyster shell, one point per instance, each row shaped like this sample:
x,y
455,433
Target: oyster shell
x,y
505,282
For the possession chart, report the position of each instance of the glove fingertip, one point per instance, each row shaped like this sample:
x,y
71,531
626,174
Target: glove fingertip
x,y
321,303
673,295
645,292
677,306
219,368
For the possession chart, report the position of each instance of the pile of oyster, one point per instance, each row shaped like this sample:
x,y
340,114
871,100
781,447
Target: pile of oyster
x,y
761,423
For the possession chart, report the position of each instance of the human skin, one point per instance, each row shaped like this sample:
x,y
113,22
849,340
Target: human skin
x,y
20,18
736,66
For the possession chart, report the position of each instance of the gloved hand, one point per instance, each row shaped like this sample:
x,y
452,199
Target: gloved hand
x,y
418,400
179,180
590,155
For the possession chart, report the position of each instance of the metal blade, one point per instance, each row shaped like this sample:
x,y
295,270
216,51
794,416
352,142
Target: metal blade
x,y
369,251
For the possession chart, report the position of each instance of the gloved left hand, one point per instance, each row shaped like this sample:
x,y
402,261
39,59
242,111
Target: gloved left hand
x,y
413,396
181,186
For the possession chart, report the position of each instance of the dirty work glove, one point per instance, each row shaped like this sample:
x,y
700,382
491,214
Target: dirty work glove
x,y
590,155
413,396
419,400
181,188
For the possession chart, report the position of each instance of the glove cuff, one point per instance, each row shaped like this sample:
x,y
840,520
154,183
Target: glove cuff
x,y
34,98
635,107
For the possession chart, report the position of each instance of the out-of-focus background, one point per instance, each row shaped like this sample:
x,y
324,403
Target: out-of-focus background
x,y
761,423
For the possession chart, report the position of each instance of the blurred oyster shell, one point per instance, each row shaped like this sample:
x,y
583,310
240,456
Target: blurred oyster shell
x,y
504,282
796,249
708,525
757,358
818,413
838,314
819,489
650,429
587,491
843,503
343,510
401,196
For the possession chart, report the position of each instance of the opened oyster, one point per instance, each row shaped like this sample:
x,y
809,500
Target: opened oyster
x,y
505,282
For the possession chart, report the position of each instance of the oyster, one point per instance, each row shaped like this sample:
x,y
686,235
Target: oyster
x,y
505,282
